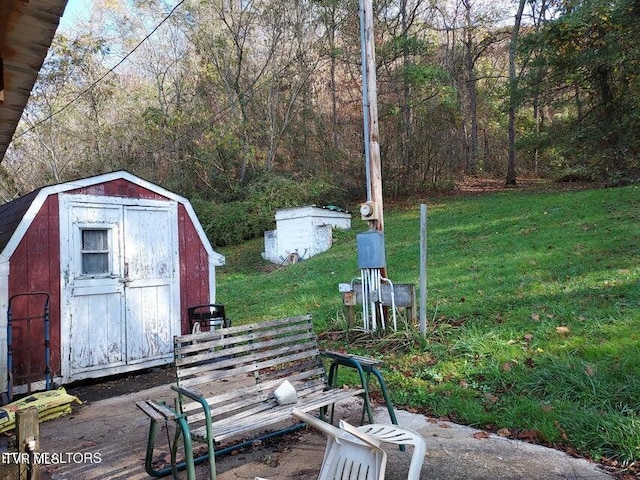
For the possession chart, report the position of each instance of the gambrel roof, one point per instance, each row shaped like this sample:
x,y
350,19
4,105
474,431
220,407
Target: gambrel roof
x,y
17,215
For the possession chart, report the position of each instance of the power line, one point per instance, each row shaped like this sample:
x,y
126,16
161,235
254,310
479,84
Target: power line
x,y
96,82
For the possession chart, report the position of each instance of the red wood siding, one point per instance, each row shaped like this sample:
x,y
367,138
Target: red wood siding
x,y
35,267
194,268
118,188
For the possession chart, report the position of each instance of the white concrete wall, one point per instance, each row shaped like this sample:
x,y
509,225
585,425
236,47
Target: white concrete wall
x,y
306,231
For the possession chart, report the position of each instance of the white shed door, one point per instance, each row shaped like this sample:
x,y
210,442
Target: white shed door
x,y
149,282
121,286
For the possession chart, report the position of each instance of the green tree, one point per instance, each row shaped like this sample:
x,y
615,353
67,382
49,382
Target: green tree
x,y
592,57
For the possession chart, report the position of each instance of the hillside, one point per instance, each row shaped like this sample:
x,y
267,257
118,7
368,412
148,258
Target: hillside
x,y
532,310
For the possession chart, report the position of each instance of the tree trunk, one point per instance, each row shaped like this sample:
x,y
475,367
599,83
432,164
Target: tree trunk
x,y
513,93
472,93
407,111
332,70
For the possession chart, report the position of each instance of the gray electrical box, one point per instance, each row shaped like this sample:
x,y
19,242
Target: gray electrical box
x,y
370,247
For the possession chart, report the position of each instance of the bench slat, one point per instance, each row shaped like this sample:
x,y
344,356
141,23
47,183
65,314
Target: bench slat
x,y
212,351
234,356
156,411
301,381
244,369
232,427
238,406
268,326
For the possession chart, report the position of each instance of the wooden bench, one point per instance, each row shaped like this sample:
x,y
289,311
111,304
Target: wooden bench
x,y
226,381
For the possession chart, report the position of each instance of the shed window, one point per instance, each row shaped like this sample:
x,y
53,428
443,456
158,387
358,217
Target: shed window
x,y
95,252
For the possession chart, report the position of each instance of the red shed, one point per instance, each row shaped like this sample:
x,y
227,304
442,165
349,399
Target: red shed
x,y
121,259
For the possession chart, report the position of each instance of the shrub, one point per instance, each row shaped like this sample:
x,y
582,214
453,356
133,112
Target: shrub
x,y
234,222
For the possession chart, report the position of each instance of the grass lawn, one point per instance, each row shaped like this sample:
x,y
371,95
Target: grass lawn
x,y
533,313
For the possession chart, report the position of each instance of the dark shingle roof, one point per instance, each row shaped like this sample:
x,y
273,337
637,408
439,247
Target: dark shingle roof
x,y
11,214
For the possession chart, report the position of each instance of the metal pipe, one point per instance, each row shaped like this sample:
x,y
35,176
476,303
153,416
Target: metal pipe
x,y
365,300
378,274
374,320
423,270
47,345
393,303
9,356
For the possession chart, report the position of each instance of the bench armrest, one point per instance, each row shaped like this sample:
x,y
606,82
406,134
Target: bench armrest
x,y
348,358
203,403
193,395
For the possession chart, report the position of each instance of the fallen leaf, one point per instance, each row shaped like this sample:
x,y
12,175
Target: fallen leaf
x,y
481,435
529,435
562,330
535,317
528,337
590,371
504,432
506,367
563,434
491,398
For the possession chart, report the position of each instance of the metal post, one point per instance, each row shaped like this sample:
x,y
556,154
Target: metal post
x,y
423,270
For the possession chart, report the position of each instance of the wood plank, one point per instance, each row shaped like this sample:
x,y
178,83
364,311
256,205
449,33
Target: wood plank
x,y
250,358
242,343
237,405
232,426
301,381
164,411
217,375
149,411
208,357
266,325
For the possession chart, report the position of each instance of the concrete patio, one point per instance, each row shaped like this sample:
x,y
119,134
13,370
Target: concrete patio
x,y
112,433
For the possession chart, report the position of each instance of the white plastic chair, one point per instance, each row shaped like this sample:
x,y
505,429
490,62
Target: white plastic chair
x,y
399,436
349,454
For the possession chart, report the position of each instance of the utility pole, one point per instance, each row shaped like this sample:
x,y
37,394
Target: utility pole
x,y
371,249
370,112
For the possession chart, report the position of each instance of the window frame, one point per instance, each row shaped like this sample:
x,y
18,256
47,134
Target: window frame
x,y
108,237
